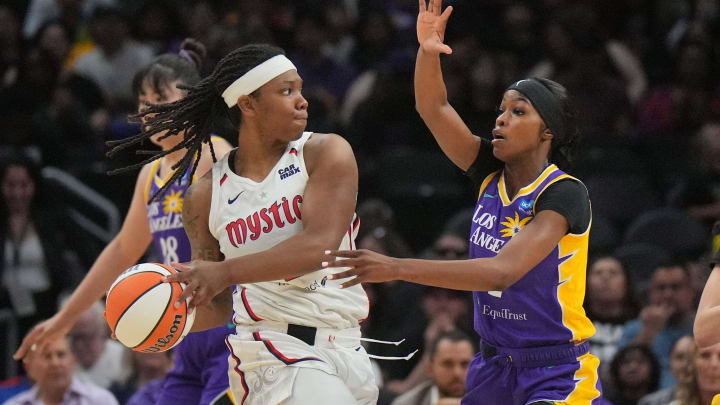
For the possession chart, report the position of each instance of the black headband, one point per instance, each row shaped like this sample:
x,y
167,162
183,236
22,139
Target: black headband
x,y
544,101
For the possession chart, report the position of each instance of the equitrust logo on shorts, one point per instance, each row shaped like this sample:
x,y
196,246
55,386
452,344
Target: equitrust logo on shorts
x,y
503,313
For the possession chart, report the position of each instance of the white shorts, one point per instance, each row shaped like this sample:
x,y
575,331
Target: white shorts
x,y
264,363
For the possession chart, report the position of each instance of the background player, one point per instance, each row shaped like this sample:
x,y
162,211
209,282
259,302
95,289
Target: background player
x,y
528,242
266,208
200,372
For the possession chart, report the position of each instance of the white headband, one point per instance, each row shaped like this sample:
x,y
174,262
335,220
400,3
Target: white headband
x,y
256,77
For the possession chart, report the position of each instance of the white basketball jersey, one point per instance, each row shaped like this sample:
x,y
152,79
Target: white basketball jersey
x,y
248,217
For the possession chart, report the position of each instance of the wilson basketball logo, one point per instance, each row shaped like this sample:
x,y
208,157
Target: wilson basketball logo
x,y
162,342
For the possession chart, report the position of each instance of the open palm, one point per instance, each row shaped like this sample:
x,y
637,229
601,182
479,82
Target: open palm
x,y
431,26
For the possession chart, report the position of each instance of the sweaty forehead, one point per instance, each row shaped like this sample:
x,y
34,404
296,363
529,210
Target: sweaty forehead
x,y
289,76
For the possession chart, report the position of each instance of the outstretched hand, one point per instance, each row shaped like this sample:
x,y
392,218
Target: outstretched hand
x,y
42,335
365,266
431,27
203,281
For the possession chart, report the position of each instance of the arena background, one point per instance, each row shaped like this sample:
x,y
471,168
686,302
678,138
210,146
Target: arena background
x,y
643,75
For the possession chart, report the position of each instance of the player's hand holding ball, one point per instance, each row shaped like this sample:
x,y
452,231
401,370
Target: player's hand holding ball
x,y
204,281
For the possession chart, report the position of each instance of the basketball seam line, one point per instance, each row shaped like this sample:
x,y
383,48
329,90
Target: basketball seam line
x,y
134,301
172,288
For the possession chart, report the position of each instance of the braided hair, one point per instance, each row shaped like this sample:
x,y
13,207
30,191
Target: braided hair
x,y
196,112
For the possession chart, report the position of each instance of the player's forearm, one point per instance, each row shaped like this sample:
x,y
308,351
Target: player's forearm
x,y
467,275
294,257
112,261
214,314
430,91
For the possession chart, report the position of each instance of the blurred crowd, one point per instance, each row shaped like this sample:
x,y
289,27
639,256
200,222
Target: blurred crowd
x,y
641,76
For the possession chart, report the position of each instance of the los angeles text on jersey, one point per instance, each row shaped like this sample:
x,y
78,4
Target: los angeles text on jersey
x,y
485,220
264,220
171,220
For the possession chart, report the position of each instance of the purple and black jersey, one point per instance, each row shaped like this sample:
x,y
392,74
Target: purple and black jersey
x,y
165,217
545,306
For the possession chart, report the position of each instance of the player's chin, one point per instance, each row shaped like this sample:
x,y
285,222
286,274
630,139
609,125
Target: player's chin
x,y
300,124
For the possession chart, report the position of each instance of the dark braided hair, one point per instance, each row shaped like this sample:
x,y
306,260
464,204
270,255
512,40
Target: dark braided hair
x,y
196,112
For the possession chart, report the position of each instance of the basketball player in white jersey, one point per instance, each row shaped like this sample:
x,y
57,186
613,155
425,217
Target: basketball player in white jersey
x,y
269,209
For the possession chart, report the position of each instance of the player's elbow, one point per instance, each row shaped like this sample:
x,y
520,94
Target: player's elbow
x,y
503,277
704,336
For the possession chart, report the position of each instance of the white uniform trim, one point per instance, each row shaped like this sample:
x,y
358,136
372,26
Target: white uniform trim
x,y
248,217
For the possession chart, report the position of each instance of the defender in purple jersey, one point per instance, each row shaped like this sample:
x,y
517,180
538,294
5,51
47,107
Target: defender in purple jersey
x,y
528,241
200,372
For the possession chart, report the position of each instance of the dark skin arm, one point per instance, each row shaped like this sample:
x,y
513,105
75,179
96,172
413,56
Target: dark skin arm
x,y
327,209
523,252
196,209
450,131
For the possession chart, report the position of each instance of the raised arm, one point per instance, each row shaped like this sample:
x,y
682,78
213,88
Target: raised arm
x,y
123,251
449,130
327,210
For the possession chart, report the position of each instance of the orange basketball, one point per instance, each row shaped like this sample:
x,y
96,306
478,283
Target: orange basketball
x,y
140,312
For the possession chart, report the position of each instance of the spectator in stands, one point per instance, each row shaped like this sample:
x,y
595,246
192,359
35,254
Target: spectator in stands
x,y
114,61
158,26
635,372
13,386
449,356
148,375
10,46
329,79
686,102
699,381
452,242
101,361
667,317
54,38
52,370
683,349
698,193
609,303
71,13
36,264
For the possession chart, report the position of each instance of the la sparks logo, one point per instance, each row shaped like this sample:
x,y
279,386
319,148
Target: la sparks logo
x,y
513,225
173,202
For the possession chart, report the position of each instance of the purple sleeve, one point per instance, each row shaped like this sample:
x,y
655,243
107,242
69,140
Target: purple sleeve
x,y
148,394
200,370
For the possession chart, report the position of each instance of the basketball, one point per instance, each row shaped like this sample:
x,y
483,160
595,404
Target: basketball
x,y
140,312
